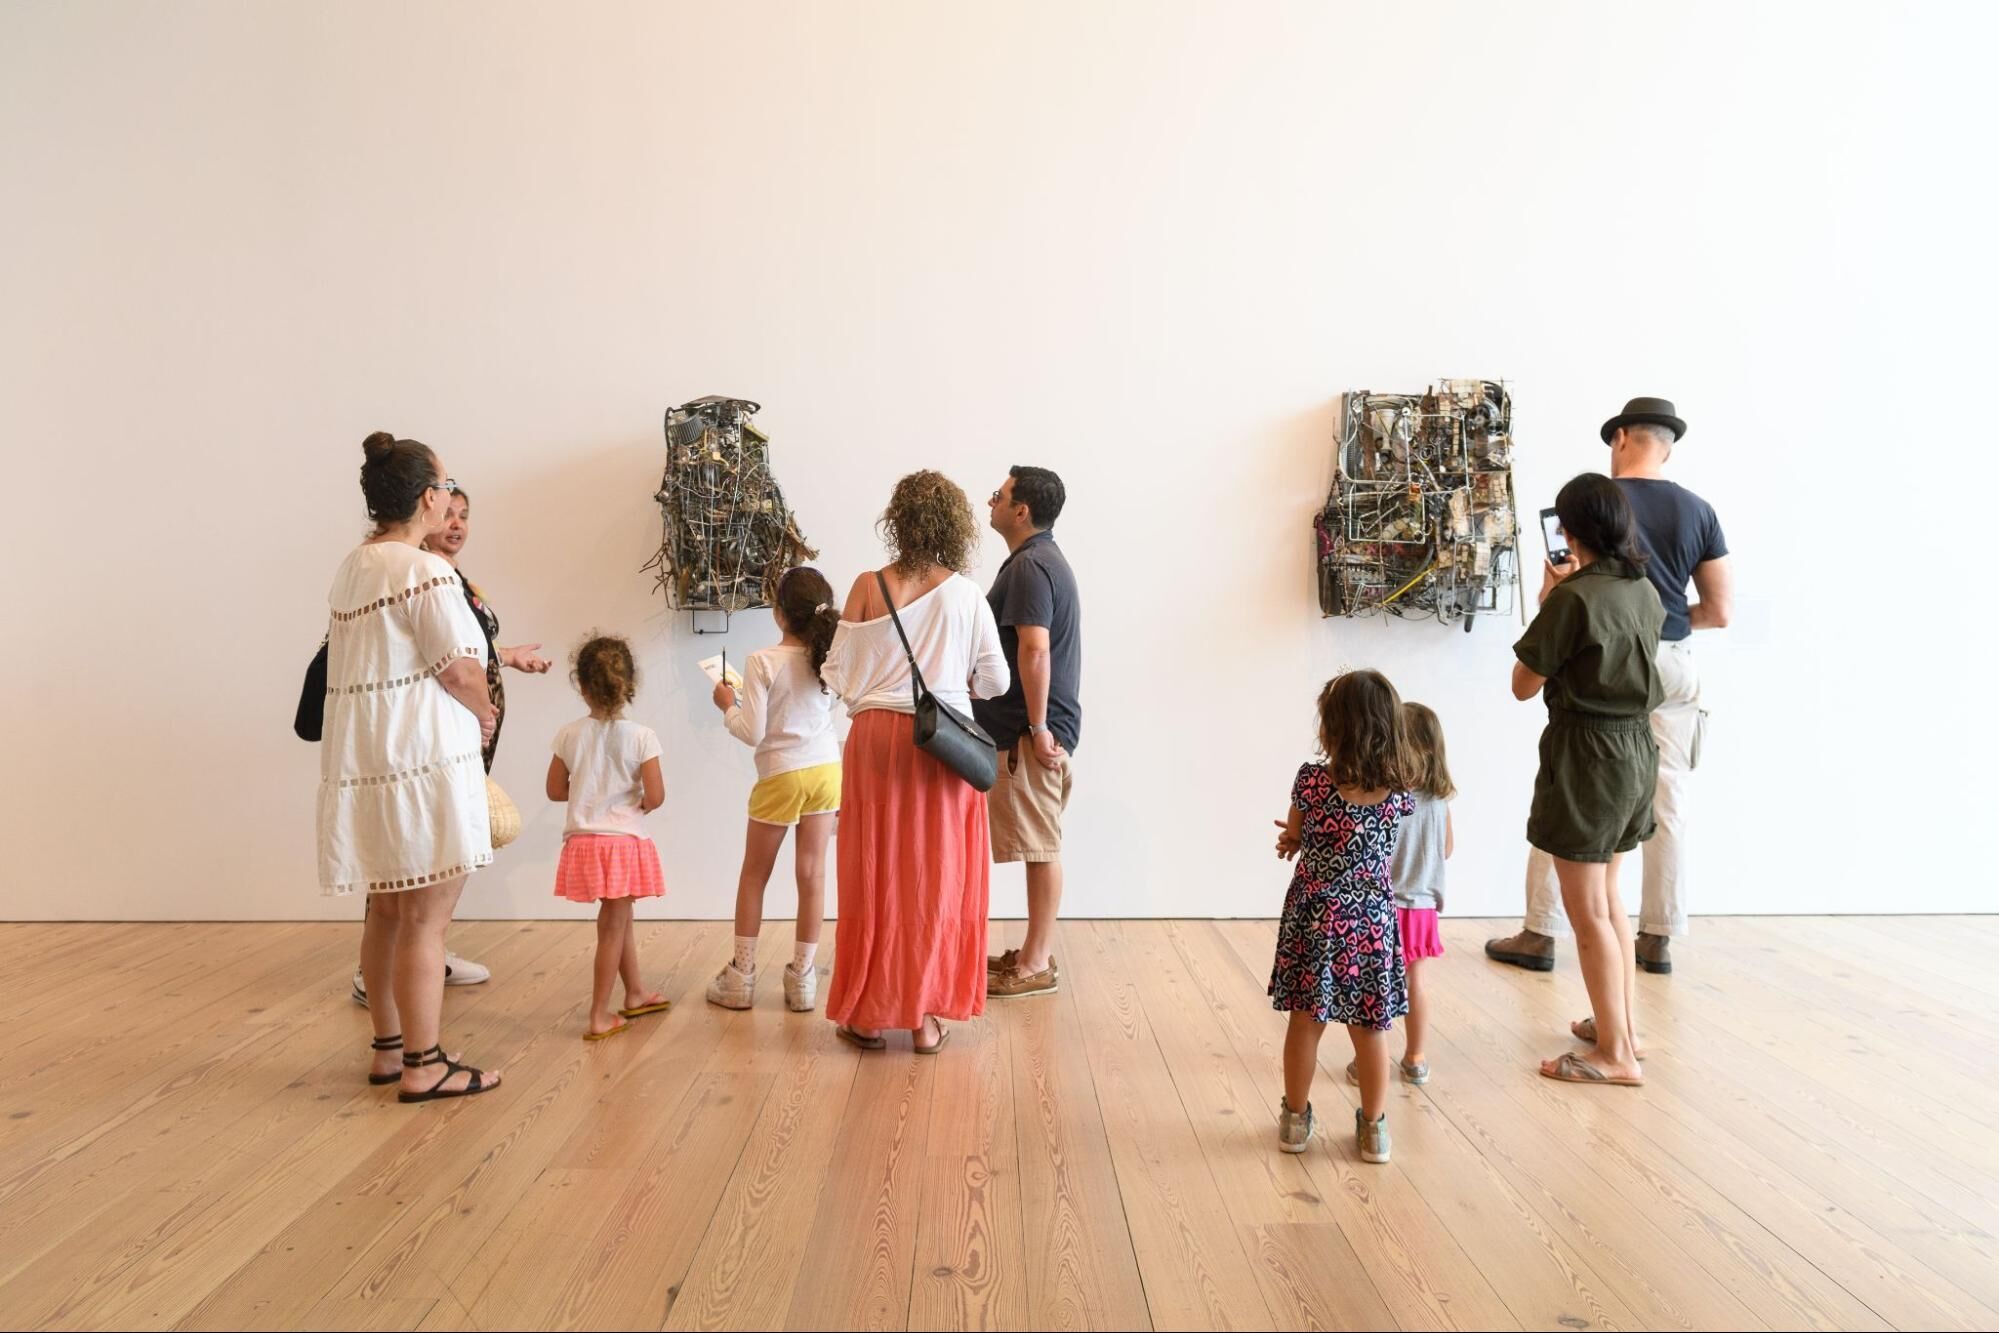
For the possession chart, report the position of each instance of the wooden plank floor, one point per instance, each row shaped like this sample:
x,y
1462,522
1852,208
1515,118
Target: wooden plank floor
x,y
186,1141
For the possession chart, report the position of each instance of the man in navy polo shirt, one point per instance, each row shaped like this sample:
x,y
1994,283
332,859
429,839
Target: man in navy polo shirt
x,y
1038,721
1682,535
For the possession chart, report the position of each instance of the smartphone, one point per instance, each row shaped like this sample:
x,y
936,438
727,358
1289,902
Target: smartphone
x,y
1551,533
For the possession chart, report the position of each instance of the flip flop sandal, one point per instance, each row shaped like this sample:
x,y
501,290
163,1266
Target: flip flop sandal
x,y
853,1038
1572,1068
943,1036
394,1043
437,1093
644,1009
609,1032
1584,1030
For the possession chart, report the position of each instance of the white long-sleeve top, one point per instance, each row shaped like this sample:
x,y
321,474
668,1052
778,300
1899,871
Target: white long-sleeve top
x,y
782,711
956,642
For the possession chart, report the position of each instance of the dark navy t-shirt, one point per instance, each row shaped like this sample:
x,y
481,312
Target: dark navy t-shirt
x,y
1678,530
1036,587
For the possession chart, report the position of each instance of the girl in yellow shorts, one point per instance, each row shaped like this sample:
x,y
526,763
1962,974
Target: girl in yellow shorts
x,y
787,714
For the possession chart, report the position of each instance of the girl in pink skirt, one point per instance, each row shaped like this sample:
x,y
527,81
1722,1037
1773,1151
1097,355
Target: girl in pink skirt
x,y
607,769
1418,876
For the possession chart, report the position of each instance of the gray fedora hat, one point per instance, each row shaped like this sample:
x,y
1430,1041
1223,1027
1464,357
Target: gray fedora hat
x,y
1646,412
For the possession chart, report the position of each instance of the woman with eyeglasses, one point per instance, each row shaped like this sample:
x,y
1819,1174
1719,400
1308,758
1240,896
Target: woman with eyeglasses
x,y
402,790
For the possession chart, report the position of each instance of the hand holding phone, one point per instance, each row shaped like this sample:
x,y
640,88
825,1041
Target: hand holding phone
x,y
1551,534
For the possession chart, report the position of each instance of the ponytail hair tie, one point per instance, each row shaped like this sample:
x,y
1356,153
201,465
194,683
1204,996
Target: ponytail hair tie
x,y
823,606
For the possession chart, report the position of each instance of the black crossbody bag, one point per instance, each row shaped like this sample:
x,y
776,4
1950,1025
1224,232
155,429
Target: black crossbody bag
x,y
310,720
942,732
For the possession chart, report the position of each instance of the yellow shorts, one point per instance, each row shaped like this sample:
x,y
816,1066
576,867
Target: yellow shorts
x,y
790,797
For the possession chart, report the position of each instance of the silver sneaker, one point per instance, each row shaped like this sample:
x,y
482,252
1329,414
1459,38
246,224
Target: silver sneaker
x,y
732,989
801,989
1294,1128
1372,1137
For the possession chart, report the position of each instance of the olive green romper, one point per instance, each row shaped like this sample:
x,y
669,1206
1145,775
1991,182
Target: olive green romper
x,y
1596,640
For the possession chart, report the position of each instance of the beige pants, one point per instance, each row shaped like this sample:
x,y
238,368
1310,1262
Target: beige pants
x,y
1678,725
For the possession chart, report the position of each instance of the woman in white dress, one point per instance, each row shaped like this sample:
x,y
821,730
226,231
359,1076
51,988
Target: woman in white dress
x,y
402,792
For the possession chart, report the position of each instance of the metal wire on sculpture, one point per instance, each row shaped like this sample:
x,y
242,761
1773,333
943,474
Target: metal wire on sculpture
x,y
726,534
1421,518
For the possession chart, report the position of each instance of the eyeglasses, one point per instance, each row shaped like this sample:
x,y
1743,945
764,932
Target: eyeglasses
x,y
448,484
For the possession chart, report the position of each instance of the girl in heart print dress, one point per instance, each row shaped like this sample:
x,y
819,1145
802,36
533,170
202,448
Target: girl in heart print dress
x,y
1339,954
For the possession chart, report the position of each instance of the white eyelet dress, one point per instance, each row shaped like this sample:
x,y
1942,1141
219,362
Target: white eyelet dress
x,y
402,791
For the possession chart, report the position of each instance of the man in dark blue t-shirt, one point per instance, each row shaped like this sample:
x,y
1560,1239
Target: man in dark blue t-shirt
x,y
1682,535
1038,722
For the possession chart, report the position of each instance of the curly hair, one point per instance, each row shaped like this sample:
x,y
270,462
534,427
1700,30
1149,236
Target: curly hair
x,y
1362,732
604,672
928,522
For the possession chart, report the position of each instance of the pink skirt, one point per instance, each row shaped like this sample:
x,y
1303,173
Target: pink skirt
x,y
915,872
596,866
1420,937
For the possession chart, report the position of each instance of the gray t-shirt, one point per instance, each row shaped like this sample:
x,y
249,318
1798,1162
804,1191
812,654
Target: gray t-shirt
x,y
1036,587
1418,870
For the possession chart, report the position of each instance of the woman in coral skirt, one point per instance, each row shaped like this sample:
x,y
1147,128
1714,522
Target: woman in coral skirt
x,y
915,857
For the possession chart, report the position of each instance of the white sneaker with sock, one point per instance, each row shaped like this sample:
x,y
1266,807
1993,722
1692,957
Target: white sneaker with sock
x,y
801,988
732,989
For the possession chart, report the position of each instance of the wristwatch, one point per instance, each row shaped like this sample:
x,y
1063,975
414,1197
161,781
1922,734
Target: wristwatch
x,y
1033,730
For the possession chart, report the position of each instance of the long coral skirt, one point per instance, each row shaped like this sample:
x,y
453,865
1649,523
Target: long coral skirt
x,y
915,876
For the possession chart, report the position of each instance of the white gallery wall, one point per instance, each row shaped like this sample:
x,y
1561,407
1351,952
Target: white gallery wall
x,y
1146,244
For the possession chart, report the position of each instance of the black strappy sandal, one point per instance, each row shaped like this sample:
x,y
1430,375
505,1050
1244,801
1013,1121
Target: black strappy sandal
x,y
436,1056
394,1043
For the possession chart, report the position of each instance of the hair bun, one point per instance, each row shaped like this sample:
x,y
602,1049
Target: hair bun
x,y
378,445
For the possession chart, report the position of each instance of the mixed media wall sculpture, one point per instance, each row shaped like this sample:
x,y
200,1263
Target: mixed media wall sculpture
x,y
727,535
1421,518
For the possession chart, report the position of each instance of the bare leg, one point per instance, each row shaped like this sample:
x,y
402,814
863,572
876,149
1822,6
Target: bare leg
x,y
1044,905
1627,957
614,920
418,977
1370,1050
1605,973
1301,1059
760,847
814,833
1416,1028
636,994
378,958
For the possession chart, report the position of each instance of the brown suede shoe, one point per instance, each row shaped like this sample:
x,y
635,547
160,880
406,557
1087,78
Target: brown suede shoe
x,y
1012,983
1652,953
1529,949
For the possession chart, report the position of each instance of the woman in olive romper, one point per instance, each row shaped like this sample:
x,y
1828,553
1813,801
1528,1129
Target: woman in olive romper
x,y
1590,655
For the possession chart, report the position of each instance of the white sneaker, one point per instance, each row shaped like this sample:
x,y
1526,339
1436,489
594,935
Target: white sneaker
x,y
801,989
732,989
457,972
463,971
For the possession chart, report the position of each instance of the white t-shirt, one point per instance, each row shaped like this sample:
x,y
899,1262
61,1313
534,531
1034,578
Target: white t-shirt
x,y
604,759
957,647
784,712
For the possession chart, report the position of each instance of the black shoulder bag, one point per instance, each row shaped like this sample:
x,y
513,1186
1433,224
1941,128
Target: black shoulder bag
x,y
311,718
942,732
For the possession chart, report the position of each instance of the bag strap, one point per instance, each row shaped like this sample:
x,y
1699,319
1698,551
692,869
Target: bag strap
x,y
918,687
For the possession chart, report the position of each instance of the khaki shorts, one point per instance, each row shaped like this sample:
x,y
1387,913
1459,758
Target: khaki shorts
x,y
1025,806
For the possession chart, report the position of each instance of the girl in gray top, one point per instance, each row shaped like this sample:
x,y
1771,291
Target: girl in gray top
x,y
1418,875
